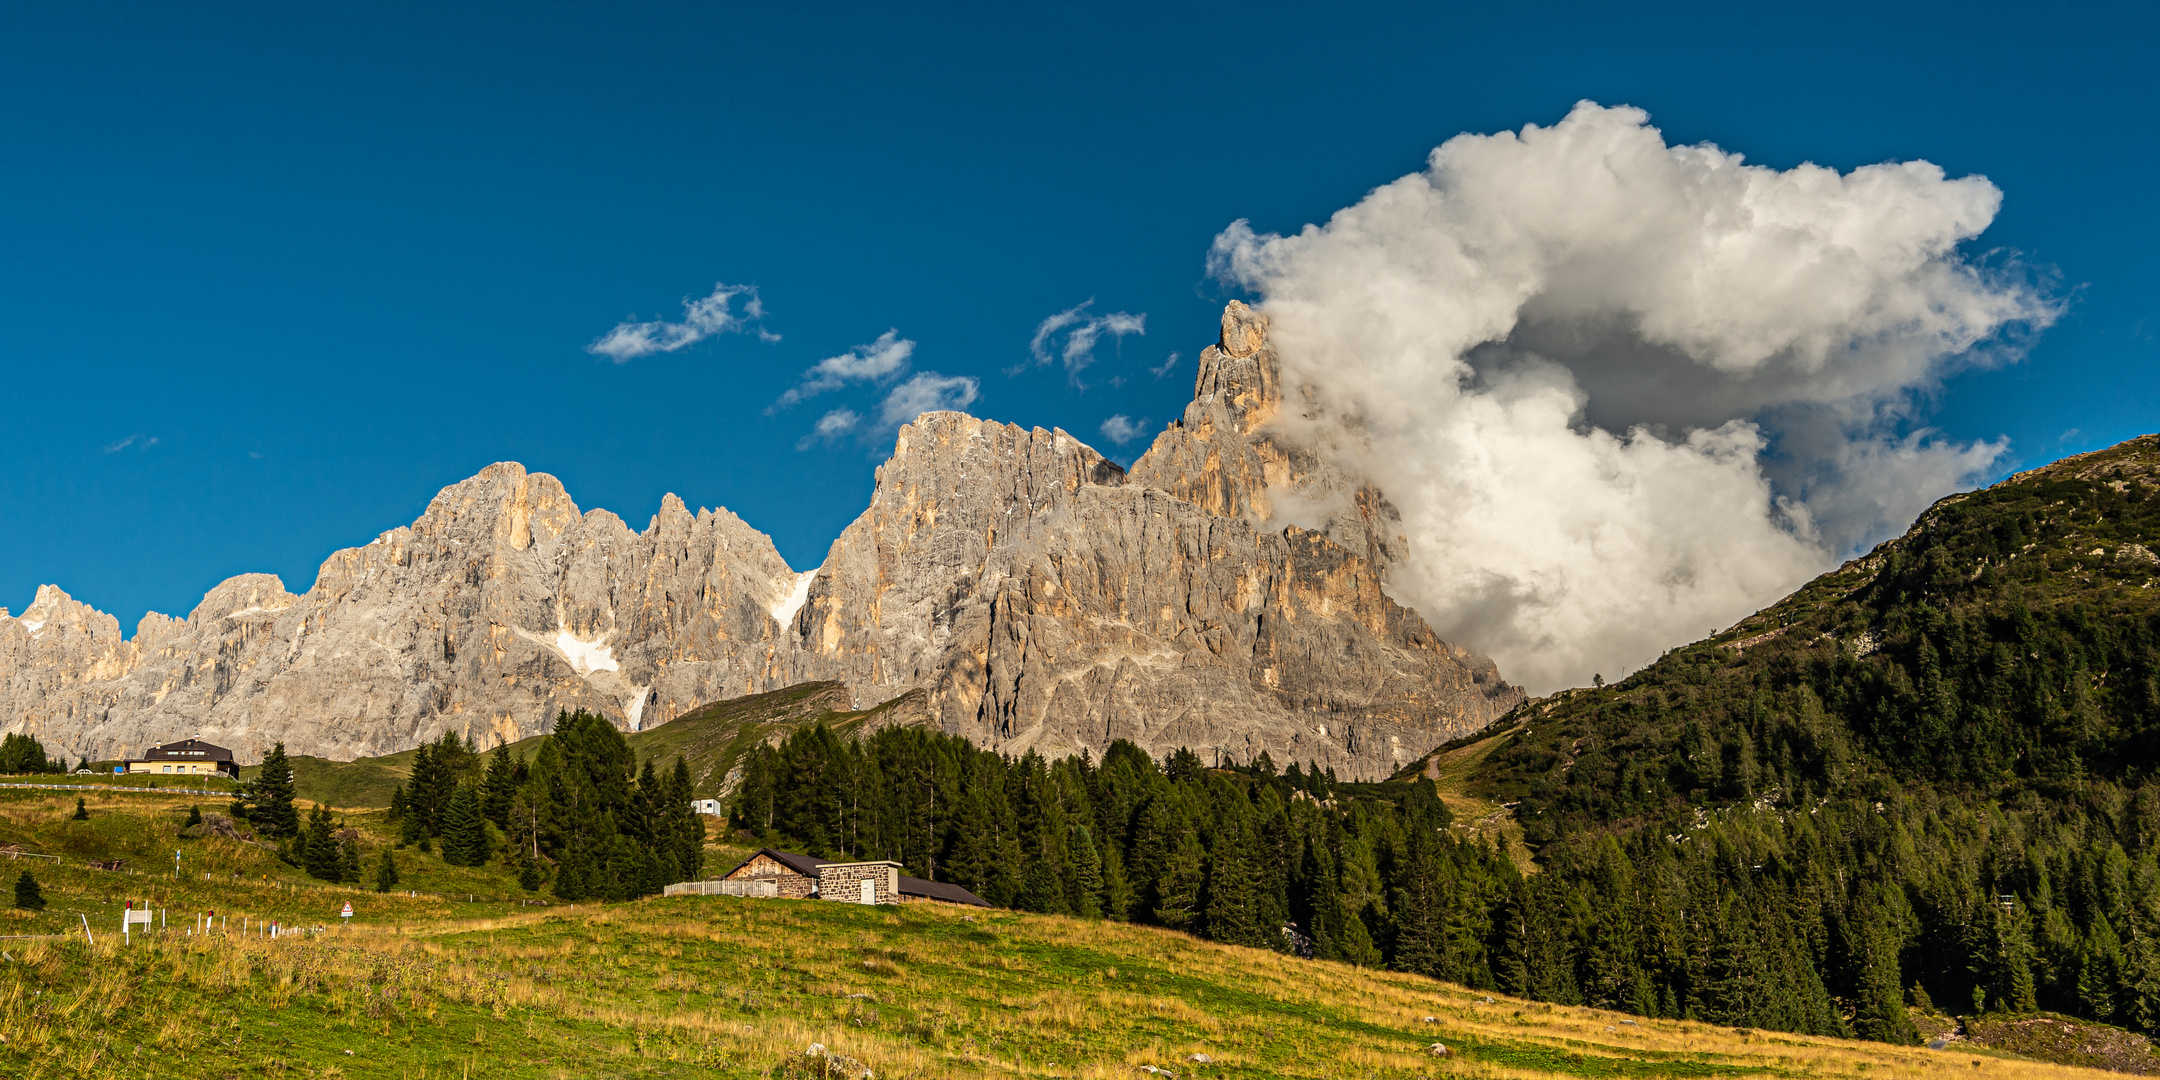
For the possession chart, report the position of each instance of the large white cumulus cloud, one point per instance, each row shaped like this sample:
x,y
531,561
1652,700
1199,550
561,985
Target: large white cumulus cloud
x,y
1625,392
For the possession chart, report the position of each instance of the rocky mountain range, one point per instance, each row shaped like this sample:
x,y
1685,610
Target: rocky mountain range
x,y
1014,585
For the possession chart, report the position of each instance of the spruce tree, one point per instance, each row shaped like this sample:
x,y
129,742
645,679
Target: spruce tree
x,y
465,838
1084,887
1177,890
349,861
689,825
1117,889
499,786
27,894
194,816
530,873
267,800
320,857
82,812
1233,901
386,875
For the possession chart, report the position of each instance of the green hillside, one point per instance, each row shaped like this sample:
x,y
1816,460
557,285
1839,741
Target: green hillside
x,y
435,986
712,738
1925,778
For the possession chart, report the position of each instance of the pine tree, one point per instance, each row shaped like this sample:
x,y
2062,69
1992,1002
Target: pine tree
x,y
1117,890
1233,901
320,856
688,825
386,875
267,800
530,874
499,786
1177,890
194,816
464,837
82,812
349,860
1085,887
27,894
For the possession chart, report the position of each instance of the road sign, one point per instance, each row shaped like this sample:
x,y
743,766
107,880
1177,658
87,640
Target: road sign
x,y
347,913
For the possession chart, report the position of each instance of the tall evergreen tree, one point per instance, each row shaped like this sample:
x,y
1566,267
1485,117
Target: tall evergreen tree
x,y
267,801
499,786
386,875
316,848
1233,895
1084,887
465,837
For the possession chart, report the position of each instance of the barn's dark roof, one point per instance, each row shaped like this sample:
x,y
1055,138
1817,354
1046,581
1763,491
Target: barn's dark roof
x,y
807,866
186,750
801,864
939,890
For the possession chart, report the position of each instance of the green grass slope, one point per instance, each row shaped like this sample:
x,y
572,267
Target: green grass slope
x,y
712,738
724,987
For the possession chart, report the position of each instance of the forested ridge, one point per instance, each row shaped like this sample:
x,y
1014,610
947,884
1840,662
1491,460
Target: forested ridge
x,y
1924,779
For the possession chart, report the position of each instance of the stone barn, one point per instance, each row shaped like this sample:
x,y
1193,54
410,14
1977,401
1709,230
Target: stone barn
x,y
769,873
786,875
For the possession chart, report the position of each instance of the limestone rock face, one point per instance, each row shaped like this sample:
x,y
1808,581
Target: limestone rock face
x,y
499,606
1226,596
1048,601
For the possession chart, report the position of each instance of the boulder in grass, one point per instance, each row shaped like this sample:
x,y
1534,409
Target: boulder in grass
x,y
1439,1050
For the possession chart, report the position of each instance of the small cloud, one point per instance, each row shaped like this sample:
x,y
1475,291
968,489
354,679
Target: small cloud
x,y
1167,367
253,454
1122,429
927,392
701,319
136,441
831,426
885,358
1081,331
2069,435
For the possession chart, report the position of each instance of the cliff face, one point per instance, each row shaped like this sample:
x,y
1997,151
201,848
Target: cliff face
x,y
1226,595
500,605
1048,601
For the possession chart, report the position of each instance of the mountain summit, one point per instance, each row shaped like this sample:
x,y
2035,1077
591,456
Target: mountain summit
x,y
1019,588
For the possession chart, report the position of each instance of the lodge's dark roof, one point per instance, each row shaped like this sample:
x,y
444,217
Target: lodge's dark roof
x,y
186,750
801,864
939,890
807,866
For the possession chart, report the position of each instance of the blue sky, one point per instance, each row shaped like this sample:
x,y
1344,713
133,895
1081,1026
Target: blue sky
x,y
272,275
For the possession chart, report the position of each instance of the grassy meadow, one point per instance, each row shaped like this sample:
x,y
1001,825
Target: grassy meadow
x,y
427,986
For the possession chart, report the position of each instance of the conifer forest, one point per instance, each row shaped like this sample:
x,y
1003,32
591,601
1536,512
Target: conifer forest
x,y
1926,779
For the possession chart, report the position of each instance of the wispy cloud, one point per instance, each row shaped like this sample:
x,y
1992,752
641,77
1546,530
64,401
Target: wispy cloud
x,y
831,426
1122,429
136,441
702,319
883,359
927,392
1165,368
1080,332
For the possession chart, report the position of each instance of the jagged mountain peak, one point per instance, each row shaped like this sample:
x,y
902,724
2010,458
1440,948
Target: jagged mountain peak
x,y
1009,583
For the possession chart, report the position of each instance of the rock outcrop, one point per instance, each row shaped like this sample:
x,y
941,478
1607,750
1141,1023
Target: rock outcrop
x,y
1226,595
500,605
1046,600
